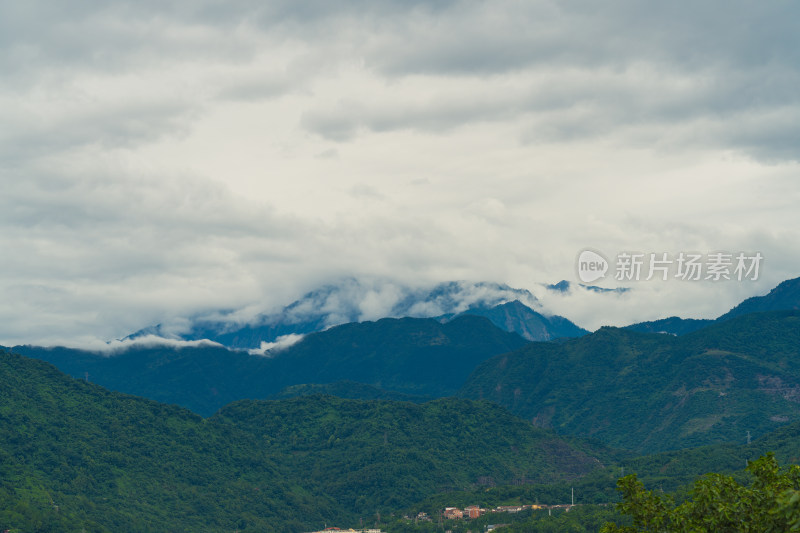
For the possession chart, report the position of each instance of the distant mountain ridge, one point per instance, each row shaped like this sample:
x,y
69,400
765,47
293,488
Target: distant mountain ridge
x,y
673,325
355,301
416,356
784,297
519,318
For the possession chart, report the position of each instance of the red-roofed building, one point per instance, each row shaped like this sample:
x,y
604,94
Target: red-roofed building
x,y
473,511
453,513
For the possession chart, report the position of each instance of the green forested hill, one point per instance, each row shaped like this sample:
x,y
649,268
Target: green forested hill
x,y
75,456
382,454
346,389
666,471
651,392
201,378
672,469
409,355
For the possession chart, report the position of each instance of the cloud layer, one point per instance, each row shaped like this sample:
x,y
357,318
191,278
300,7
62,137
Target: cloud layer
x,y
162,161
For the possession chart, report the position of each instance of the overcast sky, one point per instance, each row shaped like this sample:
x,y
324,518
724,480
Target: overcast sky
x,y
163,159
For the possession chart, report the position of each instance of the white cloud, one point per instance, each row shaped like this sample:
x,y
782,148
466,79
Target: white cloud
x,y
171,160
281,343
111,348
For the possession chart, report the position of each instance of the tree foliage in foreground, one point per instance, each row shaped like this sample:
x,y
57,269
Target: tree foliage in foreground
x,y
717,503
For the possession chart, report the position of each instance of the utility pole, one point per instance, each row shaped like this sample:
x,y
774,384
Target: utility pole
x,y
573,495
748,437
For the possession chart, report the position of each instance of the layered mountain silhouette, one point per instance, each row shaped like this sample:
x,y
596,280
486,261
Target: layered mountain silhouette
x,y
354,301
417,356
634,390
784,297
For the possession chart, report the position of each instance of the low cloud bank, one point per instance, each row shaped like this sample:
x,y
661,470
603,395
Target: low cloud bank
x,y
110,348
281,343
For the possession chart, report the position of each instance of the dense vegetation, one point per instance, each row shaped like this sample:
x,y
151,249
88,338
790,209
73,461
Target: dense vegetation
x,y
410,355
669,472
387,455
76,456
651,392
347,389
770,503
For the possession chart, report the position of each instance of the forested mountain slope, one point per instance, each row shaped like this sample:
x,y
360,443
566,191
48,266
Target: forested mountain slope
x,y
652,392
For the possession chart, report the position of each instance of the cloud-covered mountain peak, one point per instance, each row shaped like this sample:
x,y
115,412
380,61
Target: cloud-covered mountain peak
x,y
349,300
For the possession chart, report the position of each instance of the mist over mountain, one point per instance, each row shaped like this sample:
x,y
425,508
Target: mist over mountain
x,y
355,300
566,286
420,357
